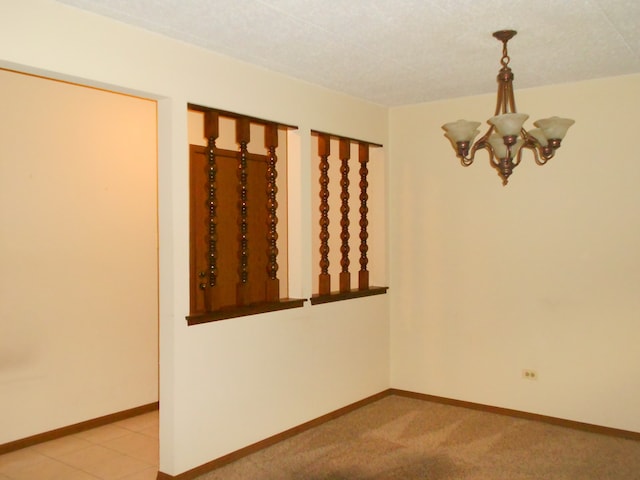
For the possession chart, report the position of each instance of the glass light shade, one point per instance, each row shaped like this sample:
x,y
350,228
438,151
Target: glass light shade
x,y
539,135
554,127
509,124
500,149
474,134
461,130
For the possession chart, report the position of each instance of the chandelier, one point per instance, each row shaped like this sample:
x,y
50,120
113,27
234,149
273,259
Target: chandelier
x,y
506,137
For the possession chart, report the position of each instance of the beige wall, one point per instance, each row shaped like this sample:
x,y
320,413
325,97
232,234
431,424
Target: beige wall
x,y
78,254
541,274
227,384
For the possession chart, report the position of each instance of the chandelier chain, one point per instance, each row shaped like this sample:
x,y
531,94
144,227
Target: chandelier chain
x,y
505,55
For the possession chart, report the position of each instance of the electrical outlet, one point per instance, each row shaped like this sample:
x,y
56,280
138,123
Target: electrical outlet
x,y
529,374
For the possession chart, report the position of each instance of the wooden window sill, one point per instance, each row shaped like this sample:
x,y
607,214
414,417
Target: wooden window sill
x,y
235,311
339,296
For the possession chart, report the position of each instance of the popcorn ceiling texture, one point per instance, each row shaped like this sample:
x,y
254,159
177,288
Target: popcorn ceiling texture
x,y
399,52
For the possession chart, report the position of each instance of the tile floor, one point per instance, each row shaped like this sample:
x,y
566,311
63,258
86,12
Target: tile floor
x,y
124,450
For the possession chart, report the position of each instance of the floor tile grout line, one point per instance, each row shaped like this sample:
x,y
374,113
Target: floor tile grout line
x,y
41,455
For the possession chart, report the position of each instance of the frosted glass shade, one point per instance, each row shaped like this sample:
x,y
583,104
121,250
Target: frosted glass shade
x,y
508,124
500,149
539,135
555,127
461,130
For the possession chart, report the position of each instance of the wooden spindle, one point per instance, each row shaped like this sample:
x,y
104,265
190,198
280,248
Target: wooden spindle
x,y
324,150
363,274
345,154
273,284
243,137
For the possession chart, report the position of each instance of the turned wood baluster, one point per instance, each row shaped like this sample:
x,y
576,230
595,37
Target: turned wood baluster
x,y
363,274
345,154
324,150
211,133
243,137
273,284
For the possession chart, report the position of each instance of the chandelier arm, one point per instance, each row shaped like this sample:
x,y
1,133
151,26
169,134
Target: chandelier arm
x,y
511,97
479,144
493,160
505,98
506,102
485,138
468,160
483,142
539,156
500,99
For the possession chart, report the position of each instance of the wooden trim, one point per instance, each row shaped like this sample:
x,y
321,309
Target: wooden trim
x,y
76,428
272,285
355,293
227,114
243,137
363,273
340,137
345,275
561,422
243,310
279,437
324,278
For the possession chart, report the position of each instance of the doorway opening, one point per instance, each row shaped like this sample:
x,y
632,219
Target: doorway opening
x,y
78,254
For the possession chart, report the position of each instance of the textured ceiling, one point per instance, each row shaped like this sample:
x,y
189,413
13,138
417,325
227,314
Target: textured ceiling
x,y
397,52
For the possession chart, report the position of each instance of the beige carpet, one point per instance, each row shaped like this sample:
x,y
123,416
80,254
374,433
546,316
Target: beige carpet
x,y
402,438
